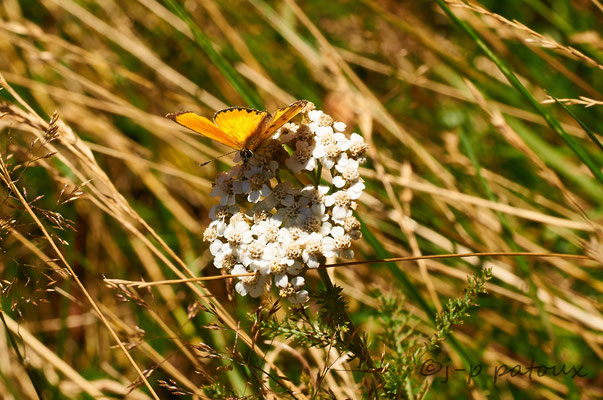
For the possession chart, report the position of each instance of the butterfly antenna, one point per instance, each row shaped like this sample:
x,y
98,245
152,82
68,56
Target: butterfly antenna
x,y
214,159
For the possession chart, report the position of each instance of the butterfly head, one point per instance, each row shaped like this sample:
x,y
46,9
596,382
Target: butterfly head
x,y
246,154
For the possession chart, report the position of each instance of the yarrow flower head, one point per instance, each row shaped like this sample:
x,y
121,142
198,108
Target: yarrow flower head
x,y
289,207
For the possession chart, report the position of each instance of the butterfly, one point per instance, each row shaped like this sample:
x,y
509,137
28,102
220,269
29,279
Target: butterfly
x,y
243,129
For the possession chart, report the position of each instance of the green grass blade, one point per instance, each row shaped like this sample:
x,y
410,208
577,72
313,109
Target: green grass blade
x,y
507,235
250,96
31,373
557,160
590,133
400,276
551,121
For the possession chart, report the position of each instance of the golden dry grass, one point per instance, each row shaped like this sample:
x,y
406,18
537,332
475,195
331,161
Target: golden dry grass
x,y
124,196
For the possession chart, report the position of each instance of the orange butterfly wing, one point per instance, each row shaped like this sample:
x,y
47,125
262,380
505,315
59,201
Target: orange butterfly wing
x,y
280,118
243,124
206,128
239,127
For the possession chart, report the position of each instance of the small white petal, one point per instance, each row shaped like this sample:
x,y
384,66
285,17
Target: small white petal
x,y
247,237
293,165
264,268
356,138
311,164
344,144
338,181
298,282
265,190
300,297
281,280
328,163
216,191
355,190
215,247
325,229
328,247
241,289
315,115
339,213
337,231
238,270
319,151
312,263
254,196
288,201
280,215
348,253
340,126
247,261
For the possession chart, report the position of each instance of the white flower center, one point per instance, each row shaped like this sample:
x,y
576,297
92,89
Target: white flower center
x,y
333,151
342,199
304,133
287,291
210,234
313,196
314,247
357,149
350,174
238,217
328,140
292,211
302,155
256,181
271,233
256,250
293,250
235,239
251,280
260,215
312,224
229,261
343,242
325,120
222,213
277,267
295,233
351,224
280,192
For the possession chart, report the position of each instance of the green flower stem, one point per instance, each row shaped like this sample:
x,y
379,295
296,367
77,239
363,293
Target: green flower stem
x,y
352,335
318,175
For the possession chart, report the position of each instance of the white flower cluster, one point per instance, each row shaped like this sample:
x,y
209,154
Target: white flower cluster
x,y
277,217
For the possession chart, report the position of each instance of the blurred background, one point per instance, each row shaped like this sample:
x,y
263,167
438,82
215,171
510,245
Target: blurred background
x,y
460,161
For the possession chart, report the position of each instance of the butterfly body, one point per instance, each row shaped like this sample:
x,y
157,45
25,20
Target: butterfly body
x,y
243,129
